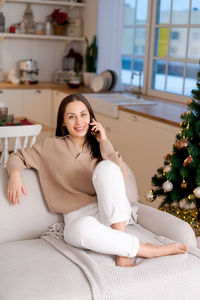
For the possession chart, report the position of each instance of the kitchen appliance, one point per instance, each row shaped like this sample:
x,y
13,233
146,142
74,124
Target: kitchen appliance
x,y
62,77
28,71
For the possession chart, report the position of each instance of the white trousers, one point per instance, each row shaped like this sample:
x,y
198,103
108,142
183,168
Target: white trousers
x,y
89,226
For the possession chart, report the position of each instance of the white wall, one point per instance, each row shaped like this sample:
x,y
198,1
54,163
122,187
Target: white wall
x,y
90,19
48,54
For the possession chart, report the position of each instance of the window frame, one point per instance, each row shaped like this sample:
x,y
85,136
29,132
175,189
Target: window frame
x,y
149,57
133,55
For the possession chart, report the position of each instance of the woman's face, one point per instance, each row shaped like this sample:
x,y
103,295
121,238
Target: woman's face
x,y
77,119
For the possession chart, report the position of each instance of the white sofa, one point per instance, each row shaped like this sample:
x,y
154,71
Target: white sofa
x,y
32,269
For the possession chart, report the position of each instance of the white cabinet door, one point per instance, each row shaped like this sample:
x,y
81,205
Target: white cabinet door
x,y
38,106
111,126
57,98
13,99
143,143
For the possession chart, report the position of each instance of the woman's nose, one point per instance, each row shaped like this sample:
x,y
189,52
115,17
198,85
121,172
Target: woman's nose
x,y
78,120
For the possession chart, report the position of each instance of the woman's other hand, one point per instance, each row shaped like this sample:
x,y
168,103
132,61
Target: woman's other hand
x,y
98,130
15,187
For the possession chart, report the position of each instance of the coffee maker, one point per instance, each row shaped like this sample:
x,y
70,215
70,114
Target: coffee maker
x,y
28,71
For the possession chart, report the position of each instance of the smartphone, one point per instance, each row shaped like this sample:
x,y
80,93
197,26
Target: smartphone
x,y
92,132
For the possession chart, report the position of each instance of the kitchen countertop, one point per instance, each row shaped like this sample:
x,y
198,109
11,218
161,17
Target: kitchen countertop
x,y
164,111
44,85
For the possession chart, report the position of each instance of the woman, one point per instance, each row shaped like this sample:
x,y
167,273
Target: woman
x,y
81,177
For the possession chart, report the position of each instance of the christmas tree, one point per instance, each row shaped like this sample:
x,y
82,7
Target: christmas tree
x,y
177,183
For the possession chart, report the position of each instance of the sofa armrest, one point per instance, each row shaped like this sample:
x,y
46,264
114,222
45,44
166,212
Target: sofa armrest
x,y
165,224
31,217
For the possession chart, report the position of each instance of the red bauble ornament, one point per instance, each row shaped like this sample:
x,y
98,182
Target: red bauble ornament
x,y
167,156
184,185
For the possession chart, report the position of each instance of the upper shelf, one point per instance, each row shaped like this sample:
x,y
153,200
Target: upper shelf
x,y
40,37
48,2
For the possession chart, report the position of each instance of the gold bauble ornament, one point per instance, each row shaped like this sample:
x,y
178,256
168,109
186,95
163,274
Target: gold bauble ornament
x,y
167,168
149,196
191,197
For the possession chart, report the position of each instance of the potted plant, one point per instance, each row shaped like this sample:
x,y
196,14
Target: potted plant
x,y
90,61
59,20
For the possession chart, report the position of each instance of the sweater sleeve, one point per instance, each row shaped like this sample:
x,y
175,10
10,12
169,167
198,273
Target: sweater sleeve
x,y
25,158
108,152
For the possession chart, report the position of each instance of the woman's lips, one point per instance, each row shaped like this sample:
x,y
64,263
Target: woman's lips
x,y
79,129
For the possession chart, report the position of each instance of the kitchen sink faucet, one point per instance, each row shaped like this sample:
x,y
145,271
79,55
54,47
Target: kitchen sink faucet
x,y
133,90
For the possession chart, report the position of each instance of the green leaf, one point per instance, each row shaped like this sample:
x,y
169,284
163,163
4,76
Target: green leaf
x,y
194,150
185,172
197,179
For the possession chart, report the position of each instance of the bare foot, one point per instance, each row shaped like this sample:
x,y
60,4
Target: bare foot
x,y
173,248
149,250
122,261
152,245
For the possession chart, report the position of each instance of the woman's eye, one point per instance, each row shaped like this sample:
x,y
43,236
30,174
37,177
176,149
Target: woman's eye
x,y
71,117
84,115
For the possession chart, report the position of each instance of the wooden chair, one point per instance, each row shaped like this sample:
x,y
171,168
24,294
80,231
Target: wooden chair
x,y
18,133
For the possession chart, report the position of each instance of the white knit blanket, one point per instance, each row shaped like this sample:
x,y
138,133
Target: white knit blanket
x,y
175,277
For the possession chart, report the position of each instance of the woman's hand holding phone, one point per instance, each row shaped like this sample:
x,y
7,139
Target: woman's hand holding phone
x,y
98,130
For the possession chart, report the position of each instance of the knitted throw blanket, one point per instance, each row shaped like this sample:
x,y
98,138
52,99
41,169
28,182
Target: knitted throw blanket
x,y
174,277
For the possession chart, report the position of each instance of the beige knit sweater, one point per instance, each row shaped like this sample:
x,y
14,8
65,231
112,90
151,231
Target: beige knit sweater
x,y
65,175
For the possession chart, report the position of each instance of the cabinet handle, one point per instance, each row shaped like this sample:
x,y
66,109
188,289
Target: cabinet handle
x,y
134,118
38,91
1,92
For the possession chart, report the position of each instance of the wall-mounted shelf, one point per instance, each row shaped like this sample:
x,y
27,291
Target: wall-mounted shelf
x,y
40,37
48,2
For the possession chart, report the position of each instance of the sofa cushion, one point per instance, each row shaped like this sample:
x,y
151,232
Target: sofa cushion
x,y
33,269
29,219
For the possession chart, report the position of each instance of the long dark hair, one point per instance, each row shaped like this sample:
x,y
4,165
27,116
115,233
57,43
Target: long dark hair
x,y
62,131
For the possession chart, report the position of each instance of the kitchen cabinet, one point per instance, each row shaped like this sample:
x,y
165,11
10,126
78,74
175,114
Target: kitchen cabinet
x,y
13,99
111,126
143,143
38,105
57,98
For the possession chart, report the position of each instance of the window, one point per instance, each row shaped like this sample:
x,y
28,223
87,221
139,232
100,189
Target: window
x,y
174,35
134,41
161,46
